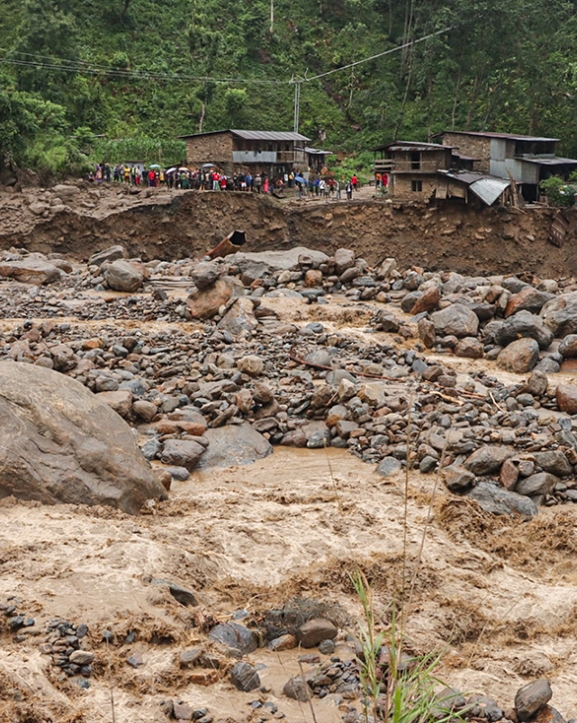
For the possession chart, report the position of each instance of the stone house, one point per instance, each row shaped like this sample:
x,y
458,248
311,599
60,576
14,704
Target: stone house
x,y
426,171
526,159
271,152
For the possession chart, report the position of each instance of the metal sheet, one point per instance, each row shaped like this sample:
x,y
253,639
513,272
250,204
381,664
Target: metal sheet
x,y
489,189
269,135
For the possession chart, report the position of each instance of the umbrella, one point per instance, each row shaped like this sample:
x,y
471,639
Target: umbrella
x,y
299,179
183,169
171,170
208,165
154,165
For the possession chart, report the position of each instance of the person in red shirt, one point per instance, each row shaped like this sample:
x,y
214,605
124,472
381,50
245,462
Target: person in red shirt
x,y
354,181
151,179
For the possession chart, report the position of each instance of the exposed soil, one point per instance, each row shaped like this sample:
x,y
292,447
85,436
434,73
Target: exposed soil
x,y
497,595
156,223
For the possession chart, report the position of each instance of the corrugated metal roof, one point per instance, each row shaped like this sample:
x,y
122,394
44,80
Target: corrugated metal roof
x,y
489,189
254,135
411,146
269,135
491,134
317,151
556,161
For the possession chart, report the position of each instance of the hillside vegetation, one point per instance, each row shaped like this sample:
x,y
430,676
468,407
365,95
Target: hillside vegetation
x,y
141,69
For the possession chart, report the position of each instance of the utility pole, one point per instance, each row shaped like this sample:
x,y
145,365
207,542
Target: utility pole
x,y
297,105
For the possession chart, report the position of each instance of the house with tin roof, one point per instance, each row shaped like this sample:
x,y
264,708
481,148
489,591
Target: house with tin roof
x,y
528,160
271,152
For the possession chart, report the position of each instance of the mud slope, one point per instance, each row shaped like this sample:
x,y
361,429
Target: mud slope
x,y
158,224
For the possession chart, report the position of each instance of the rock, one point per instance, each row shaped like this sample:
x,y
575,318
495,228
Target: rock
x,y
554,461
206,304
145,410
344,259
568,346
327,647
233,445
81,657
522,325
283,642
519,356
388,466
120,401
541,483
528,299
252,365
180,594
428,301
531,698
312,632
182,712
112,253
457,320
280,260
374,393
480,707
426,331
386,321
566,396
560,314
499,501
245,677
548,714
235,636
189,657
387,268
537,383
457,478
298,689
469,347
239,317
313,278
182,453
487,459
295,438
205,274
123,275
62,444
30,271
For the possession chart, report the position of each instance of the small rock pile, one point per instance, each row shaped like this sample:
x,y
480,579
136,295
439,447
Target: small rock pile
x,y
65,644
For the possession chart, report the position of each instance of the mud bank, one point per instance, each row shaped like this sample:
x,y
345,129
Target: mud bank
x,y
159,224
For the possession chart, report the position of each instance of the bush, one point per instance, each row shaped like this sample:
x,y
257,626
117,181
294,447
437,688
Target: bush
x,y
559,192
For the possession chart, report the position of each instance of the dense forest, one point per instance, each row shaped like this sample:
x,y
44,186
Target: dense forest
x,y
73,70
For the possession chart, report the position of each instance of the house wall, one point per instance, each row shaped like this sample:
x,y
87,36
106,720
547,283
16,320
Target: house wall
x,y
213,148
400,187
430,161
474,146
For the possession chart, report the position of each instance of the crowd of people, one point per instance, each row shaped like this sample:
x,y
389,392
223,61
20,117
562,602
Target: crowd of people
x,y
211,179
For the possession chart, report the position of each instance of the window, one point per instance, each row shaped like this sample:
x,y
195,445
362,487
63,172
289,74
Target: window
x,y
415,160
416,186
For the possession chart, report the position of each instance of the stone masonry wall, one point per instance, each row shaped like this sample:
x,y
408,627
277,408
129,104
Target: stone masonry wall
x,y
478,148
213,148
402,187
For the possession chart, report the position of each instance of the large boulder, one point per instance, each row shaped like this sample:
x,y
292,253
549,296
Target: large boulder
x,y
278,260
560,314
499,501
30,271
455,319
519,356
528,299
234,444
522,324
61,443
204,304
124,275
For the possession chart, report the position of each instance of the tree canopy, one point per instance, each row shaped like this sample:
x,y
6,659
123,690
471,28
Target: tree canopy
x,y
138,68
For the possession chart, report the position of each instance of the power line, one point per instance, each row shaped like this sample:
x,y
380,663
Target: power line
x,y
86,69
